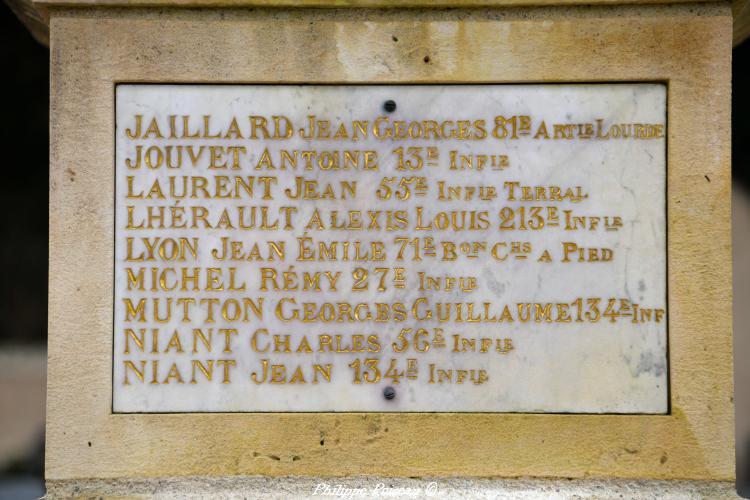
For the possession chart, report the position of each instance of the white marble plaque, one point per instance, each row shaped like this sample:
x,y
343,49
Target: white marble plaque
x,y
446,248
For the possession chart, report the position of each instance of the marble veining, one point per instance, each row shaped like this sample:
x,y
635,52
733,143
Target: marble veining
x,y
589,367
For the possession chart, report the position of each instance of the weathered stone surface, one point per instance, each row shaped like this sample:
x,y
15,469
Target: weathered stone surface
x,y
382,487
37,22
686,46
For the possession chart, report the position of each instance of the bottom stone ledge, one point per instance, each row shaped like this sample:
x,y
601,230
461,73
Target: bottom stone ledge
x,y
385,487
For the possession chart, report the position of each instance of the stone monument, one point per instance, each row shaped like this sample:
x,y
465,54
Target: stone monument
x,y
298,245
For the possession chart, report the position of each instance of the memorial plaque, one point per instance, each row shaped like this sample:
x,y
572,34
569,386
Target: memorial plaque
x,y
379,248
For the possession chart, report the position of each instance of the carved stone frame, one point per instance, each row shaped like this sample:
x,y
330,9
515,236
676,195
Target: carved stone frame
x,y
93,48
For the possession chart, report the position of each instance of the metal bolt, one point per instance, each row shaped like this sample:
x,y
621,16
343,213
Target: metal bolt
x,y
389,393
389,106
